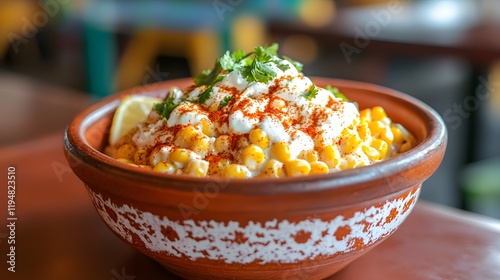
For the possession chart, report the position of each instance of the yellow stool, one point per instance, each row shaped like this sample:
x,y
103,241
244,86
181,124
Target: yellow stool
x,y
201,48
11,14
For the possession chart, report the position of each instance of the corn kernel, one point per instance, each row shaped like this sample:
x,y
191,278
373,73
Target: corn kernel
x,y
141,156
217,168
297,167
197,167
387,135
259,137
164,167
309,155
126,151
200,144
398,135
380,146
364,132
318,167
185,136
222,144
351,143
278,104
376,128
350,162
371,152
207,127
330,155
365,115
179,157
273,168
252,157
281,151
378,113
236,171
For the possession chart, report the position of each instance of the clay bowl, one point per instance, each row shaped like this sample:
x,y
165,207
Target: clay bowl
x,y
308,227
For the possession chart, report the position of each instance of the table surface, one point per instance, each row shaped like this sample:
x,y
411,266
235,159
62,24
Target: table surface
x,y
59,235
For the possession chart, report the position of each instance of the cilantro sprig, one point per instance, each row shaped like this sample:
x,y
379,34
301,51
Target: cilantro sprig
x,y
311,93
336,92
165,108
225,101
256,66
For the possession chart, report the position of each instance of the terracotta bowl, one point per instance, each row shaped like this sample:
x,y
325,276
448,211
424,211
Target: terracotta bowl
x,y
308,227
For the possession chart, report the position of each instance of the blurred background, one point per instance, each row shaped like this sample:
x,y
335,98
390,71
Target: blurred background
x,y
59,56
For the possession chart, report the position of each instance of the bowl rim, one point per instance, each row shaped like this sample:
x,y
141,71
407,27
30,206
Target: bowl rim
x,y
76,145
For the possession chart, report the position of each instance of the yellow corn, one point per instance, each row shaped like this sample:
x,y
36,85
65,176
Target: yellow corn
x,y
309,155
141,156
180,157
217,168
387,135
376,128
372,153
297,167
278,104
351,162
236,171
273,168
364,132
164,167
200,144
222,144
126,151
365,115
281,151
252,157
207,127
351,143
378,113
398,135
330,155
318,167
185,136
380,146
259,137
197,168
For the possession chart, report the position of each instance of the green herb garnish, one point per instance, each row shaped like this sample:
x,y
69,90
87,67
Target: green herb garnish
x,y
295,63
225,101
335,91
165,108
208,77
256,66
205,95
311,93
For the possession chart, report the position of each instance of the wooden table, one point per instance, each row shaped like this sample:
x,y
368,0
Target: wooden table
x,y
59,235
31,108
